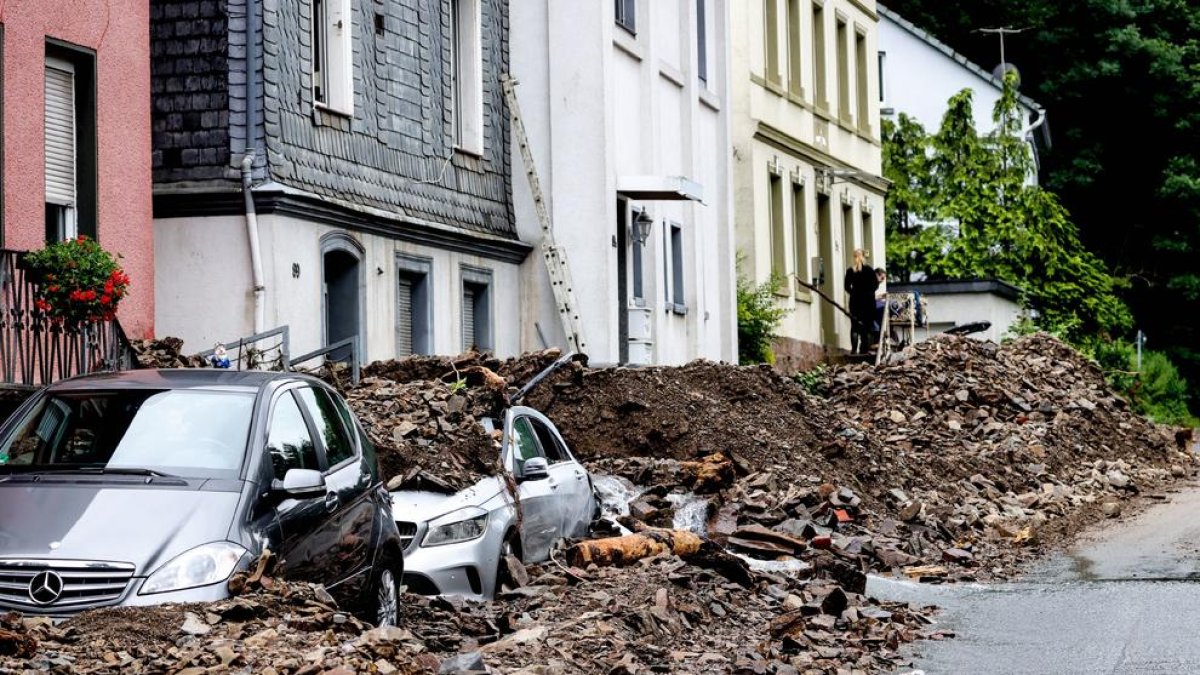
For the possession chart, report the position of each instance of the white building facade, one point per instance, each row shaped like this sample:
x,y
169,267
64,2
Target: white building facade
x,y
919,75
627,107
377,161
807,159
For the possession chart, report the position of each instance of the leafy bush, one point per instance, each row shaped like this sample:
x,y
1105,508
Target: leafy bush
x,y
1158,391
815,381
758,318
77,281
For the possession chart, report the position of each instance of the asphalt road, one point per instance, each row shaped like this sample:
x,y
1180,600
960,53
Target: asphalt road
x,y
1124,600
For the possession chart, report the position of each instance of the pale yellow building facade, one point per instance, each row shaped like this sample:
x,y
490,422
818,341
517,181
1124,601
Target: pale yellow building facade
x,y
807,157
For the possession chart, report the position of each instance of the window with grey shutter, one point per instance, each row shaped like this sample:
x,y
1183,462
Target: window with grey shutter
x,y
476,307
468,316
414,319
404,316
60,134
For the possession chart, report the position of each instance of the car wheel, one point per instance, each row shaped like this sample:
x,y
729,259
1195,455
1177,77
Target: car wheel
x,y
385,597
503,578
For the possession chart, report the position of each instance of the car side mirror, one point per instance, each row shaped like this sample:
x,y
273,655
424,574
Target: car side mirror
x,y
535,468
301,484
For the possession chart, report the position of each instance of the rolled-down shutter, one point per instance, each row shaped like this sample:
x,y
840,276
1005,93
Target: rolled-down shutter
x,y
468,316
60,134
404,311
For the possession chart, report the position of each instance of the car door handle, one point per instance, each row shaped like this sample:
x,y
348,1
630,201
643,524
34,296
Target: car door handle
x,y
332,501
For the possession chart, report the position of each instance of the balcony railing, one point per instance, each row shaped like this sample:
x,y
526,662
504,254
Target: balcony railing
x,y
35,351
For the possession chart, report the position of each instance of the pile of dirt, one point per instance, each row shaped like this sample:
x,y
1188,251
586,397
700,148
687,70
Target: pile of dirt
x,y
424,415
957,459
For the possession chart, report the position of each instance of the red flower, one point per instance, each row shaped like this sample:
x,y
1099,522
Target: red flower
x,y
89,295
108,287
106,299
53,288
42,305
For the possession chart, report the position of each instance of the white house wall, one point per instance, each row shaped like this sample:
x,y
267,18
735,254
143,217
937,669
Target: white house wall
x,y
606,104
202,259
920,79
956,309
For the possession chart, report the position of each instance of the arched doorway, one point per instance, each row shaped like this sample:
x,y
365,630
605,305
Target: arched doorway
x,y
342,290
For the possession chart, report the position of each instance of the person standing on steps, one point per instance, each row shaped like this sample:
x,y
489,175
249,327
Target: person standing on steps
x,y
860,286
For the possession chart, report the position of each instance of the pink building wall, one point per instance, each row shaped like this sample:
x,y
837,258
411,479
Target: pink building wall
x,y
118,32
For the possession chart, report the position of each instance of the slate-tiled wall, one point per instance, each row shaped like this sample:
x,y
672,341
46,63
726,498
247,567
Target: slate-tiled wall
x,y
396,152
189,89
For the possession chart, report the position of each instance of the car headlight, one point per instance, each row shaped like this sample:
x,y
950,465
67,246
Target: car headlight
x,y
200,566
459,526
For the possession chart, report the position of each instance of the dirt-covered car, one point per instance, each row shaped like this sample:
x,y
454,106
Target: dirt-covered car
x,y
155,486
455,544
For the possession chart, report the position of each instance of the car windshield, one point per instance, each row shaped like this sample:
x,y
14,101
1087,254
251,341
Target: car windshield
x,y
193,434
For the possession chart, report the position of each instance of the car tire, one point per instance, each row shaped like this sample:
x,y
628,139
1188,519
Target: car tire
x,y
383,607
511,546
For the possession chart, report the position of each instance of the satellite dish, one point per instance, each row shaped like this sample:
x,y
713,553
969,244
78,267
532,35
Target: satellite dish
x,y
1004,69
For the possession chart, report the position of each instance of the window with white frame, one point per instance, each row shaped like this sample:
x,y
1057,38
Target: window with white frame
x,y
702,40
332,57
466,72
626,15
60,150
69,127
673,278
476,308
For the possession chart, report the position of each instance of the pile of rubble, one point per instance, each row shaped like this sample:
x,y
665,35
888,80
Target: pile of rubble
x,y
424,414
958,459
164,353
662,615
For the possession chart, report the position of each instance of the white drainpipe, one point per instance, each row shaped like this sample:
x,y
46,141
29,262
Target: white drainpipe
x,y
260,310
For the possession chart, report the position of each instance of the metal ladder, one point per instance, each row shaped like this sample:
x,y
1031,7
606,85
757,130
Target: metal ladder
x,y
556,257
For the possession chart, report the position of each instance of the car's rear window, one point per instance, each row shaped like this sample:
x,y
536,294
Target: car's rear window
x,y
181,432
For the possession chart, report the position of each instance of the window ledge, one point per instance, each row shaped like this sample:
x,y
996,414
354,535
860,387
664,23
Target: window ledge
x,y
671,74
675,308
804,295
327,109
709,99
628,43
471,153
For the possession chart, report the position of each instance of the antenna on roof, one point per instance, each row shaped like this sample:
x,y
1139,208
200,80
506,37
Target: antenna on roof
x,y
1001,70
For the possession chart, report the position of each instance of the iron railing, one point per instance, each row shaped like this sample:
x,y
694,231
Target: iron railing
x,y
267,350
36,351
270,350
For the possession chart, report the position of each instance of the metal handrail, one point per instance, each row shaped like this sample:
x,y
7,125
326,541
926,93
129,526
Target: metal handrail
x,y
240,347
355,360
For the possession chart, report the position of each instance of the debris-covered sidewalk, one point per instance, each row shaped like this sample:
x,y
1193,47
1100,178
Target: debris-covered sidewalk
x,y
748,513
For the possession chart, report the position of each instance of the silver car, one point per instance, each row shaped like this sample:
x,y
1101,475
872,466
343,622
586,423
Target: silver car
x,y
455,544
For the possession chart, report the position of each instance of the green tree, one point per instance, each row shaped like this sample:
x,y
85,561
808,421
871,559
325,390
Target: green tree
x,y
1121,81
967,209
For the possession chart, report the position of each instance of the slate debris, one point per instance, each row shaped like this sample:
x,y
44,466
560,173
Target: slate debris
x,y
955,460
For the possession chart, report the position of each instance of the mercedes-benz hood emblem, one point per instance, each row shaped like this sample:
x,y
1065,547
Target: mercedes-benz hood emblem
x,y
45,588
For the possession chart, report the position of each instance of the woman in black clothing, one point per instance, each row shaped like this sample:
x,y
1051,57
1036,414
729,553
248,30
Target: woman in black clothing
x,y
860,286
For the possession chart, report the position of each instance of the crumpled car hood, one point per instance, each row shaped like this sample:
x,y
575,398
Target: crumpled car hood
x,y
421,506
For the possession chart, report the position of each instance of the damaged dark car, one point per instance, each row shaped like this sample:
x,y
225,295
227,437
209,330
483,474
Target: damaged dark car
x,y
156,486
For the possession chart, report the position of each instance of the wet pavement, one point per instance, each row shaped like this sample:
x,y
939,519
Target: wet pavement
x,y
1124,600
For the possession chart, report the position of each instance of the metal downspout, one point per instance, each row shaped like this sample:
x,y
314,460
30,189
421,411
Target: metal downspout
x,y
259,288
